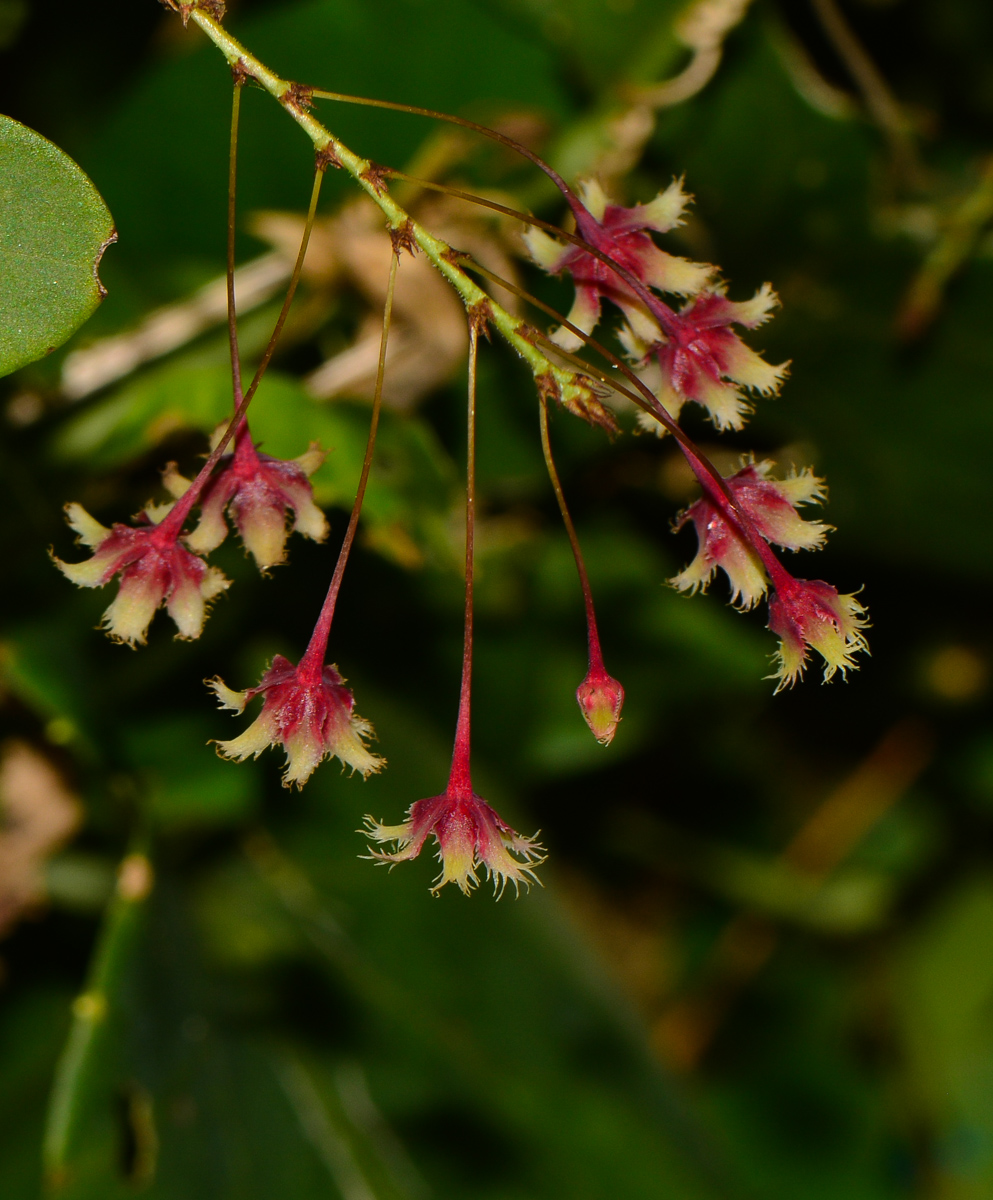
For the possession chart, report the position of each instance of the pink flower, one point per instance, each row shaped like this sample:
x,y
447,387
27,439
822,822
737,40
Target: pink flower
x,y
470,836
307,710
257,490
771,504
700,358
622,234
601,698
807,614
154,569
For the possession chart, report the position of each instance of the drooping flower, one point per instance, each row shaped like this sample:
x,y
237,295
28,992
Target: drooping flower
x,y
600,698
699,357
154,567
256,490
309,712
810,614
771,505
622,234
471,836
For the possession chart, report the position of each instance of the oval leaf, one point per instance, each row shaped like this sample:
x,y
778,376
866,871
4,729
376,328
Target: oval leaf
x,y
54,228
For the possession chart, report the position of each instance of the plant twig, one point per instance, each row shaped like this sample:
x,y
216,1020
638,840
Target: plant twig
x,y
90,1010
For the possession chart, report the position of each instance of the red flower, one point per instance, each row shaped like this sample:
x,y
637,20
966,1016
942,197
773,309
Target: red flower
x,y
809,614
622,234
470,836
771,504
700,358
307,710
154,569
257,490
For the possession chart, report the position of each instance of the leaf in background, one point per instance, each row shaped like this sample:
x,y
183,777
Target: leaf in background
x,y
54,228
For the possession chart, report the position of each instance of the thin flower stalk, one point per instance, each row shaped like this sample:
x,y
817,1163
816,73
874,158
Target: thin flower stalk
x,y
600,696
471,836
306,708
154,566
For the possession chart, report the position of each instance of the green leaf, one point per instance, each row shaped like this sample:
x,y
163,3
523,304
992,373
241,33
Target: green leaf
x,y
54,228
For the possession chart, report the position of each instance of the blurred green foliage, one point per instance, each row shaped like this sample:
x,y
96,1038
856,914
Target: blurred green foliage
x,y
695,1005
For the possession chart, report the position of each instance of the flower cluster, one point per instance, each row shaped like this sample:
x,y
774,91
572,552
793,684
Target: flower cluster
x,y
621,234
695,354
160,565
691,353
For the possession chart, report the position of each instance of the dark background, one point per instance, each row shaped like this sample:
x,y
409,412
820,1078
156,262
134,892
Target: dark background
x,y
688,1008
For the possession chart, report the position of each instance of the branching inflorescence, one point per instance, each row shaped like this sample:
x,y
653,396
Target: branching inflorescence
x,y
671,356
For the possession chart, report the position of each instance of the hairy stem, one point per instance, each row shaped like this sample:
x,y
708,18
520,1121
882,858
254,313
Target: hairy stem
x,y
370,180
317,648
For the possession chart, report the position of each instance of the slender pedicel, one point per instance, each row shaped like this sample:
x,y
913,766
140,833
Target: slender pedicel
x,y
317,649
600,696
471,836
306,708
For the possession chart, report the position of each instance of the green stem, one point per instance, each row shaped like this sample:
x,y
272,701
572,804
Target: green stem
x,y
438,252
90,1011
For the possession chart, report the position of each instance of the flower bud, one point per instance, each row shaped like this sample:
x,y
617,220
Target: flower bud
x,y
810,614
600,700
308,712
470,836
154,569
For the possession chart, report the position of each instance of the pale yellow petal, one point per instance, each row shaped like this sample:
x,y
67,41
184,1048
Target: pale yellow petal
x,y
544,250
261,733
129,616
665,212
174,483
312,458
263,532
747,367
227,697
212,528
593,196
88,529
671,274
758,310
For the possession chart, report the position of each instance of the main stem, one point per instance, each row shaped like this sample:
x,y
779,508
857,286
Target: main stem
x,y
460,778
436,250
317,648
596,657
